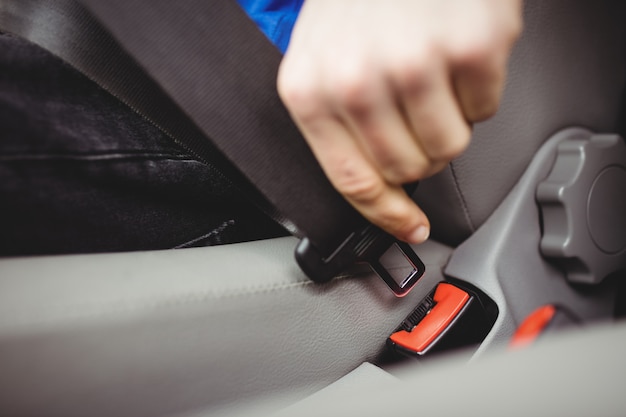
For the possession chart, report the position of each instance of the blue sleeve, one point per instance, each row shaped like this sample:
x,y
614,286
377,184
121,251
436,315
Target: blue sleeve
x,y
275,18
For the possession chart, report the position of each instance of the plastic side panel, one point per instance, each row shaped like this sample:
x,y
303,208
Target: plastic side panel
x,y
503,259
156,333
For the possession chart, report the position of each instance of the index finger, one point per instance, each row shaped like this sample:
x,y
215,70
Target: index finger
x,y
357,179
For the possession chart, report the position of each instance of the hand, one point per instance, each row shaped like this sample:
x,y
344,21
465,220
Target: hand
x,y
385,92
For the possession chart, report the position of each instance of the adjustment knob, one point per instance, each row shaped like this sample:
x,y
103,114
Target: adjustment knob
x,y
583,203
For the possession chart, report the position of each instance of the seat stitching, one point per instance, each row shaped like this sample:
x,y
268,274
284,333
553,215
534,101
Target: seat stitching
x,y
110,309
461,196
79,312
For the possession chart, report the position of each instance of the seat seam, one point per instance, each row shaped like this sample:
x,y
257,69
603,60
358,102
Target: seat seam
x,y
77,312
461,196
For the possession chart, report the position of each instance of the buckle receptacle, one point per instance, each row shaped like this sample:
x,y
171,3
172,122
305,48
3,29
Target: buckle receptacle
x,y
453,315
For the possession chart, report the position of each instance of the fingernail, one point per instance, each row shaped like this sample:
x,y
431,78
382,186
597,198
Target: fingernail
x,y
419,235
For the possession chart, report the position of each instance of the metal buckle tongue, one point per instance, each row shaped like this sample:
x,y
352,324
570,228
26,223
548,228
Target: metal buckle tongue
x,y
394,261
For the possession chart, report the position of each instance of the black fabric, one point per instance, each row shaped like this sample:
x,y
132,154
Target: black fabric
x,y
220,69
81,172
209,60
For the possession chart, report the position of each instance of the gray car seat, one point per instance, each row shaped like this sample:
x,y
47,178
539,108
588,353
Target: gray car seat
x,y
197,330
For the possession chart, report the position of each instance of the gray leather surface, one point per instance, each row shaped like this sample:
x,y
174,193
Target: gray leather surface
x,y
566,70
158,333
366,377
577,374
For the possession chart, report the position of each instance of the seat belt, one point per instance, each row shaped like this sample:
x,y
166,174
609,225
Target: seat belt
x,y
204,74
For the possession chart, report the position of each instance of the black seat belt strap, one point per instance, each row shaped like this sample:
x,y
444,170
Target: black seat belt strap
x,y
203,73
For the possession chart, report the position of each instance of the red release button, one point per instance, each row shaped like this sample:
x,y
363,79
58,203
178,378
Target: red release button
x,y
533,326
450,301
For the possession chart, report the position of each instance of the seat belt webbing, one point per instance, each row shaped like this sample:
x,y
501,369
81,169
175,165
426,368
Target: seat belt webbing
x,y
201,69
215,64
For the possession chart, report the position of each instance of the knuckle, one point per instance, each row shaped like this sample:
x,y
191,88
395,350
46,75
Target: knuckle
x,y
483,111
303,98
475,51
287,82
405,173
483,46
514,29
360,188
411,73
352,90
393,217
453,148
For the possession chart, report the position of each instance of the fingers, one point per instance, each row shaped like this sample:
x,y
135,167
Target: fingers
x,y
478,73
432,111
371,137
478,63
378,111
479,88
354,175
373,116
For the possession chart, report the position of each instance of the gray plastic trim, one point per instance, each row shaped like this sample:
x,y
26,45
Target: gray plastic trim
x,y
503,258
584,208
